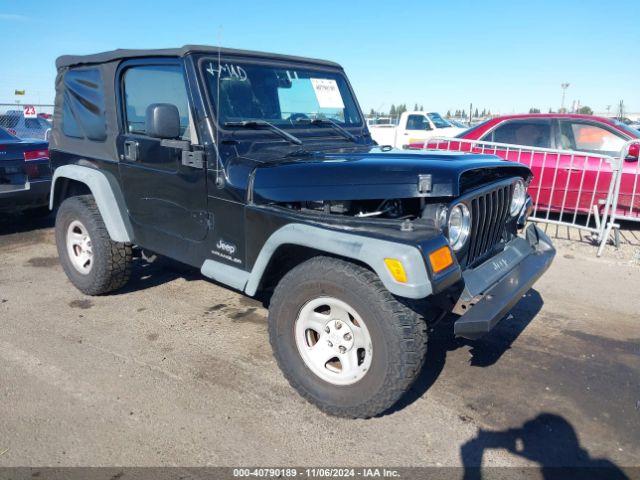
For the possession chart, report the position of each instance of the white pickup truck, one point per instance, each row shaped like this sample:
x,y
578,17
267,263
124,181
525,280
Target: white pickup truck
x,y
414,127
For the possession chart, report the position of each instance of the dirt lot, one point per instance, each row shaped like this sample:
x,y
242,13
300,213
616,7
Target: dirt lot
x,y
176,370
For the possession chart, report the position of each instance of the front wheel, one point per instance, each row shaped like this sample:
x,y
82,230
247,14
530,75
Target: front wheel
x,y
342,340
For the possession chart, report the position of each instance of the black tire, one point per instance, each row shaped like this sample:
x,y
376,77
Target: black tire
x,y
398,336
111,260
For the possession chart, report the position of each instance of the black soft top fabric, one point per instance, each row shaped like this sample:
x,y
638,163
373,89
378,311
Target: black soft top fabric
x,y
106,63
121,54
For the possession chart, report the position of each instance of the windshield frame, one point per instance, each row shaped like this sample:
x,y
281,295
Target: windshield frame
x,y
312,130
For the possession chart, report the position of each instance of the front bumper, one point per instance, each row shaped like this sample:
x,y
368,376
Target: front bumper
x,y
493,288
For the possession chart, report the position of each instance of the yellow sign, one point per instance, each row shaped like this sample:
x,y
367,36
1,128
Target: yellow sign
x,y
19,92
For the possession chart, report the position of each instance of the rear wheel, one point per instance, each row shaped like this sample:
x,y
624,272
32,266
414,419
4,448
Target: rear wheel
x,y
342,340
93,262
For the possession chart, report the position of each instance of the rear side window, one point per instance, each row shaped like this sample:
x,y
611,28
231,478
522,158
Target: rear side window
x,y
147,84
417,122
534,133
83,106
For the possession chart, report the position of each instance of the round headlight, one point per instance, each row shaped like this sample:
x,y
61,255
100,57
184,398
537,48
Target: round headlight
x,y
459,226
519,197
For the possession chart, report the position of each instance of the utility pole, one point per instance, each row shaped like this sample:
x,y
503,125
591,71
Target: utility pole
x,y
564,87
470,112
621,110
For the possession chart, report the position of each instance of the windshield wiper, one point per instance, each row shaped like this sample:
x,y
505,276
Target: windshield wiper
x,y
332,123
264,124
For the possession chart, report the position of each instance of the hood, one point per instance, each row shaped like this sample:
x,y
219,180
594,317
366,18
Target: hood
x,y
378,174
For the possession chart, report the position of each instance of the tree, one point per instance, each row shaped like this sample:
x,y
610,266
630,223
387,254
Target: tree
x,y
422,108
463,114
415,107
392,110
400,109
372,112
585,110
534,110
476,114
551,110
448,113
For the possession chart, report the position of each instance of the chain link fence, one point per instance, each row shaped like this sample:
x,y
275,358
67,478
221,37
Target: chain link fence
x,y
27,121
586,191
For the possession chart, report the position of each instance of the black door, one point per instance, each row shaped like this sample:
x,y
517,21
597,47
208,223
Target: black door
x,y
166,199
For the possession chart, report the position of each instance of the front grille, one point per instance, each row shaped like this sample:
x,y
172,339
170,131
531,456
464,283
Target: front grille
x,y
489,212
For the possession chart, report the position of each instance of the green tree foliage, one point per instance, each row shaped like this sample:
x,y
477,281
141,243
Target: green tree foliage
x,y
534,110
585,110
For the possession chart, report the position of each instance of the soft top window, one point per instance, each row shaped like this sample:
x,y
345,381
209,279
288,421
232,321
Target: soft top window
x,y
83,105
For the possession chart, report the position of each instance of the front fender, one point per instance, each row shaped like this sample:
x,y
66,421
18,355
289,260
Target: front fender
x,y
370,251
110,203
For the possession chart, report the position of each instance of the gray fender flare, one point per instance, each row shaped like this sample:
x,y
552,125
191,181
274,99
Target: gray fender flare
x,y
370,251
114,219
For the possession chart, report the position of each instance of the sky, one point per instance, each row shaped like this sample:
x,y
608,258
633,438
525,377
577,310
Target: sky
x,y
507,56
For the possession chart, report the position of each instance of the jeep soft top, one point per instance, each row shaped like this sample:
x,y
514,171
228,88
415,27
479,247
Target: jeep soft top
x,y
259,170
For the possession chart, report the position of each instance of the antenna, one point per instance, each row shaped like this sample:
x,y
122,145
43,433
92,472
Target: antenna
x,y
219,179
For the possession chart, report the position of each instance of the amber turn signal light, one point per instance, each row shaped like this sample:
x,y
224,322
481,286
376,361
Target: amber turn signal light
x,y
440,259
396,269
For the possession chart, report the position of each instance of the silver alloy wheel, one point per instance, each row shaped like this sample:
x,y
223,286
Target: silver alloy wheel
x,y
79,247
333,341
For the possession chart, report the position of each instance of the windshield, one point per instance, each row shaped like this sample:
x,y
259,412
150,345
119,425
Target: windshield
x,y
285,97
438,121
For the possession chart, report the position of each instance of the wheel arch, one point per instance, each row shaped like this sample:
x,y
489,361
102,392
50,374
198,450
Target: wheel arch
x,y
367,251
72,180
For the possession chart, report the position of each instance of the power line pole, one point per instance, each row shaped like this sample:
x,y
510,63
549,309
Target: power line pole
x,y
564,87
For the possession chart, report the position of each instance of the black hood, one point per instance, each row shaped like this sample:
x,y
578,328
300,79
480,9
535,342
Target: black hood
x,y
378,174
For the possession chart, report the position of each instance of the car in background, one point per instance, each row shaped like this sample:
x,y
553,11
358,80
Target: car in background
x,y
571,182
25,175
457,123
413,127
17,124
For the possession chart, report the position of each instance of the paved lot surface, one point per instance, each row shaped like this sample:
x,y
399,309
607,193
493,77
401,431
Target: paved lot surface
x,y
176,370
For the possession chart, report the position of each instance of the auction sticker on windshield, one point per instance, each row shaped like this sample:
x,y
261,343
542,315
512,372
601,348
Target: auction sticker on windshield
x,y
327,93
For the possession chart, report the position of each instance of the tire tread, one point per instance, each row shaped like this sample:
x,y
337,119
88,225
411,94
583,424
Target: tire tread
x,y
410,328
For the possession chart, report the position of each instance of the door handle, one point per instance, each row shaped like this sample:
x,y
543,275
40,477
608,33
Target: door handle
x,y
130,150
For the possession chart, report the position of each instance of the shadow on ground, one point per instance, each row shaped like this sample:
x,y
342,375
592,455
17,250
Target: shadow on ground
x,y
548,440
146,275
484,352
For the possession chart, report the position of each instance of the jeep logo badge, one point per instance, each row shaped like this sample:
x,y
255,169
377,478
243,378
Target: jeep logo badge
x,y
229,248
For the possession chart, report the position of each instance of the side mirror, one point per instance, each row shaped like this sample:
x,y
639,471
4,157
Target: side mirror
x,y
633,153
162,121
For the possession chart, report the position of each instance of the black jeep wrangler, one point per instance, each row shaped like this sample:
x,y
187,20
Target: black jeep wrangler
x,y
259,170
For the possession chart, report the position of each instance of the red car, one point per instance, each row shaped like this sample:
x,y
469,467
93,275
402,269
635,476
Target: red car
x,y
569,183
